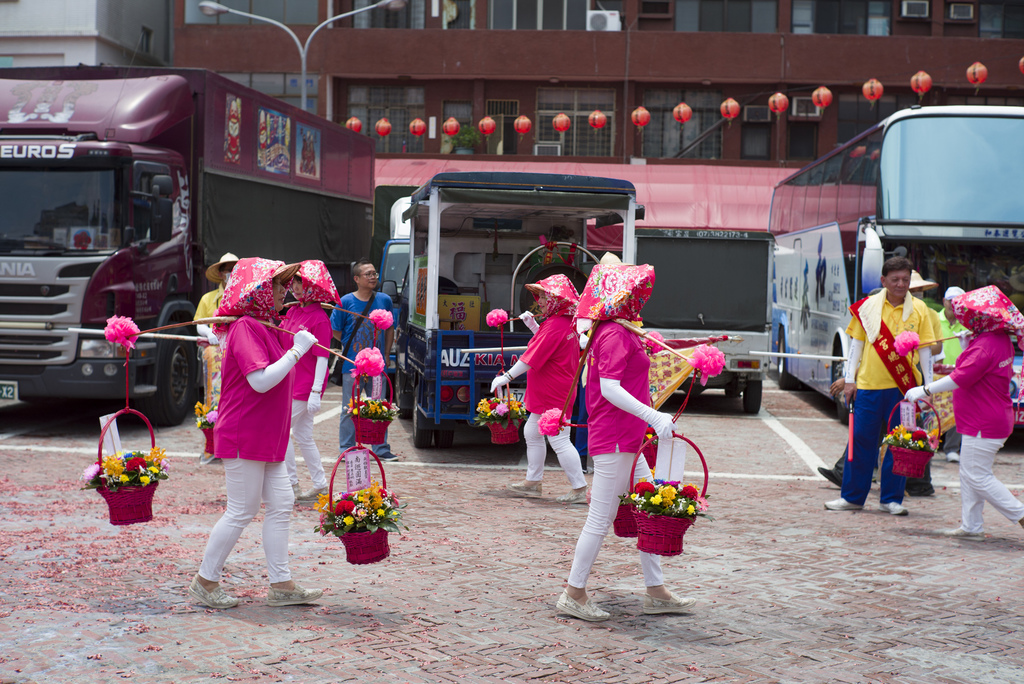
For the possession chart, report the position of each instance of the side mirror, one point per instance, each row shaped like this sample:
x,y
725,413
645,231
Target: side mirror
x,y
871,261
389,288
162,185
163,215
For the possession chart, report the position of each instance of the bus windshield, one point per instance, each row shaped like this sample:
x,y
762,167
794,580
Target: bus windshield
x,y
47,210
959,169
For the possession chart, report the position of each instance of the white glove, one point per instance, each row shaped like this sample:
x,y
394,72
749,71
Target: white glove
x,y
915,393
313,403
661,422
964,338
206,331
584,340
212,339
304,341
527,318
499,381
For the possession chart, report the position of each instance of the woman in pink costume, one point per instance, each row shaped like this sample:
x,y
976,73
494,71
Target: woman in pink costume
x,y
311,285
618,413
251,432
552,356
982,404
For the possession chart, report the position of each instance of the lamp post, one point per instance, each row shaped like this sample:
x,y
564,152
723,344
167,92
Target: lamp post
x,y
212,9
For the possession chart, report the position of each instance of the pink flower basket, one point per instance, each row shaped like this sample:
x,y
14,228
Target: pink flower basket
x,y
501,434
661,534
909,462
363,548
370,431
130,505
208,434
624,524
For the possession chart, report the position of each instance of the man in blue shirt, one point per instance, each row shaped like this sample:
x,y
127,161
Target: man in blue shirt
x,y
356,333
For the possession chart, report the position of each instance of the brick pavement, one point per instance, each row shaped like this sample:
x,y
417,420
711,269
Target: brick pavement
x,y
786,591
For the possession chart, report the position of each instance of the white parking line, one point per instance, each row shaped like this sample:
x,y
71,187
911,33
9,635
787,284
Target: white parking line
x,y
798,445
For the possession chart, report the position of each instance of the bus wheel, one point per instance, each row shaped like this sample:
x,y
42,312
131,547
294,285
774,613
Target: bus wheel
x,y
787,381
421,437
752,397
443,439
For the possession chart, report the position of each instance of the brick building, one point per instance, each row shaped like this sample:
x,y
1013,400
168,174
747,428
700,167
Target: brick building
x,y
436,59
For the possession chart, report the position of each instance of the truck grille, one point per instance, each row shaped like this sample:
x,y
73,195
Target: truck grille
x,y
33,290
31,309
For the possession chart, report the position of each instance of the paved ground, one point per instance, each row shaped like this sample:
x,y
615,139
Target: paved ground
x,y
787,592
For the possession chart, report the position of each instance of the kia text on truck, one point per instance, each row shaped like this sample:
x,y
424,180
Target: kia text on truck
x,y
120,185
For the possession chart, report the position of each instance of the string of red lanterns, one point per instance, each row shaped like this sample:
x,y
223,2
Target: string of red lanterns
x,y
920,83
682,112
976,74
354,124
383,127
640,117
730,109
561,122
451,126
597,119
487,125
778,103
417,127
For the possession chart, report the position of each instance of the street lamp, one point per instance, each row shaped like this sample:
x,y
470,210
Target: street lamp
x,y
212,9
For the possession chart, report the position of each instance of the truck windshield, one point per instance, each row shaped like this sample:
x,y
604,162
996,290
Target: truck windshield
x,y
954,169
65,210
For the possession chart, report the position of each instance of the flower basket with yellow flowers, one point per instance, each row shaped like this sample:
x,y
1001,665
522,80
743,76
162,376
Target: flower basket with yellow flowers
x,y
502,415
127,480
372,418
911,447
206,416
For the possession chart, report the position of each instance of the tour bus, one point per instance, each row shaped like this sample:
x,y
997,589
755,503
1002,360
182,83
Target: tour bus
x,y
941,185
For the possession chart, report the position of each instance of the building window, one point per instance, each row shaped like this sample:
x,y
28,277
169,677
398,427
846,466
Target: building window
x,y
739,16
504,140
461,111
284,11
581,140
146,41
756,141
458,14
285,87
803,140
530,15
409,17
398,104
856,114
1001,19
665,137
858,17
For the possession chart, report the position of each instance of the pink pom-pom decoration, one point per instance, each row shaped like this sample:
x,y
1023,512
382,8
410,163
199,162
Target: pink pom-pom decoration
x,y
708,360
497,318
121,330
369,361
382,318
653,346
906,342
550,423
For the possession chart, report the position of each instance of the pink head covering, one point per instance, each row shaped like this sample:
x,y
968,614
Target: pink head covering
x,y
988,310
251,290
562,297
616,291
317,285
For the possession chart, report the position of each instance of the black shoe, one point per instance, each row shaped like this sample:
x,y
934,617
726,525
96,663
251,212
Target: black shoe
x,y
831,476
920,491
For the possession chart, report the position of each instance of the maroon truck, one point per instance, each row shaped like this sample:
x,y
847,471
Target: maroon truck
x,y
120,184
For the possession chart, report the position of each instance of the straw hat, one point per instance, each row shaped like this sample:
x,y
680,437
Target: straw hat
x,y
608,259
285,273
213,272
919,283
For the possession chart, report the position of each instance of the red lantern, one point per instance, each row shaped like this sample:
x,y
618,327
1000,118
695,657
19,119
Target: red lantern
x,y
821,97
976,74
640,116
354,124
778,103
417,127
487,125
597,119
383,127
872,90
450,126
730,109
682,112
522,124
921,83
561,122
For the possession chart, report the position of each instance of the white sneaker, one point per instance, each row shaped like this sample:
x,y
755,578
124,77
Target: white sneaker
x,y
892,508
297,491
524,489
952,457
676,604
842,504
961,533
574,497
587,611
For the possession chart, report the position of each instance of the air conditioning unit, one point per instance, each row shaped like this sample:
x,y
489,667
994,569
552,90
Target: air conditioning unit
x,y
547,149
803,108
962,11
757,114
914,9
600,20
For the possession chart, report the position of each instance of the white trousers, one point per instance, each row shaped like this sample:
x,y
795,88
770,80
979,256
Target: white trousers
x,y
302,437
537,451
978,484
611,478
249,483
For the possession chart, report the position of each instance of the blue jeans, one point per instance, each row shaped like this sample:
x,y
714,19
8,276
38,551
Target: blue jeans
x,y
871,410
346,428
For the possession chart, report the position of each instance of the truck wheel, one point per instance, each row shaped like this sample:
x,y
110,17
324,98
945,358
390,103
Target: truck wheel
x,y
421,437
175,392
443,439
752,397
787,381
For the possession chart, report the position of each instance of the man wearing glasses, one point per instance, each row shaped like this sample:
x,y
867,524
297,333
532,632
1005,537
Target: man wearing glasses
x,y
356,333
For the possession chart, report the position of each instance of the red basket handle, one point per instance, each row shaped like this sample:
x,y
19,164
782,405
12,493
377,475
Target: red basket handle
x,y
355,401
934,443
110,421
341,457
703,462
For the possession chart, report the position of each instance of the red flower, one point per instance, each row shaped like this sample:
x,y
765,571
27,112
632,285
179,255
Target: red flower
x,y
135,463
644,488
690,492
344,507
919,434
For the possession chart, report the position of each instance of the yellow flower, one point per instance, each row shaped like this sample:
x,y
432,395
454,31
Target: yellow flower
x,y
154,469
123,478
321,503
348,520
668,493
113,466
689,510
656,499
380,511
144,479
157,454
